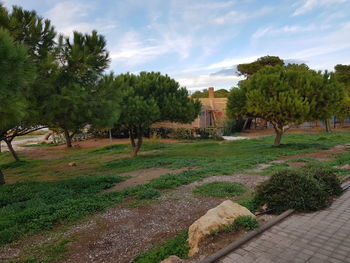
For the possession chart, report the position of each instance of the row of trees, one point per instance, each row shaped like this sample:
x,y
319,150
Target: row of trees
x,y
289,94
49,80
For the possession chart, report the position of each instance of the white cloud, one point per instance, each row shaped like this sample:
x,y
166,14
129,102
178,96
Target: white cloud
x,y
268,31
308,5
239,17
205,81
69,16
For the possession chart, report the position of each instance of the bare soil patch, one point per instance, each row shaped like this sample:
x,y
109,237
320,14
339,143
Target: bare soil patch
x,y
143,176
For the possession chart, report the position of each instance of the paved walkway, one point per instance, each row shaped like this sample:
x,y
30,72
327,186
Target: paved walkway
x,y
319,237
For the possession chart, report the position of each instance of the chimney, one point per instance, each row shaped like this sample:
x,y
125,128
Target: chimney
x,y
211,93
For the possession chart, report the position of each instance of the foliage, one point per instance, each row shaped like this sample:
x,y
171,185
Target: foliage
x,y
221,93
151,97
177,246
250,69
305,189
148,193
28,207
342,74
249,202
221,189
15,76
232,126
236,103
181,133
76,95
209,133
38,35
281,95
326,176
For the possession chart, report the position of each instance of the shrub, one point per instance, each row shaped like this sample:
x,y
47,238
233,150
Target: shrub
x,y
221,189
326,176
181,133
292,189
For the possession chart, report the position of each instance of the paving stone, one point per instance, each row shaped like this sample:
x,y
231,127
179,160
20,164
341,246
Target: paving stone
x,y
317,237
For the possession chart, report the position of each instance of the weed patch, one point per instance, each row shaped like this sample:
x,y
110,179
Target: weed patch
x,y
221,189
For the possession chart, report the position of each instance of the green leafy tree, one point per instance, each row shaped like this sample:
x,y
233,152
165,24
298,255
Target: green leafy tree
x,y
151,97
342,75
283,95
221,93
249,69
329,98
72,105
15,75
38,35
107,103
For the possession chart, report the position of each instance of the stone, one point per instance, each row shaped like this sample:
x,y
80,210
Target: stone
x,y
172,259
72,164
214,219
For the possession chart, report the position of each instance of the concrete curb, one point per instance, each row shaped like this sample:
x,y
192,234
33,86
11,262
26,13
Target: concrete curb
x,y
224,251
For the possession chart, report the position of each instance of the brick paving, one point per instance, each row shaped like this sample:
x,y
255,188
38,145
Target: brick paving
x,y
318,237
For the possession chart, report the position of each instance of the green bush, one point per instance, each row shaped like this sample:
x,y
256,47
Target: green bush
x,y
326,176
181,134
221,189
292,189
177,246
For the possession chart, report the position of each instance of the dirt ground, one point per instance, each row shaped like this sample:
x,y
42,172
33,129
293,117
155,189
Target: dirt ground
x,y
123,232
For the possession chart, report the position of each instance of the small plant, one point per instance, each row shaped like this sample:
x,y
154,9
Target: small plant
x,y
249,202
148,193
177,246
221,189
240,223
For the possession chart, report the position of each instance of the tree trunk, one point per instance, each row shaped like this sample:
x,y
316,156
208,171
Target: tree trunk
x,y
2,178
136,146
12,151
328,126
278,138
245,124
68,138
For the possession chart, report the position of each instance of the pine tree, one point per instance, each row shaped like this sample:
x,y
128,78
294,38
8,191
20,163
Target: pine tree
x,y
15,75
151,97
82,61
38,35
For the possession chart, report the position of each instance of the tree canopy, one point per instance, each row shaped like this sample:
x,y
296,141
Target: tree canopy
x,y
286,95
82,60
221,93
151,97
249,69
38,35
16,75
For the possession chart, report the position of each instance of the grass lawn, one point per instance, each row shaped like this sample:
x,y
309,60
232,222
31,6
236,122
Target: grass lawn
x,y
45,192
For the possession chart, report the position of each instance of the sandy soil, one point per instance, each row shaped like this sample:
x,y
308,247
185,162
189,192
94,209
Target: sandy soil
x,y
143,176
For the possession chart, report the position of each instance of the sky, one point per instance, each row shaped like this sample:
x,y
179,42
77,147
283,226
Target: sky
x,y
200,42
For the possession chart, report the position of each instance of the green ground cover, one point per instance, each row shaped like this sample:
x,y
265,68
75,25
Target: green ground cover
x,y
48,192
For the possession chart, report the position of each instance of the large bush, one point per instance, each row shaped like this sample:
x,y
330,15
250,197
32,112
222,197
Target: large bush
x,y
305,189
326,176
